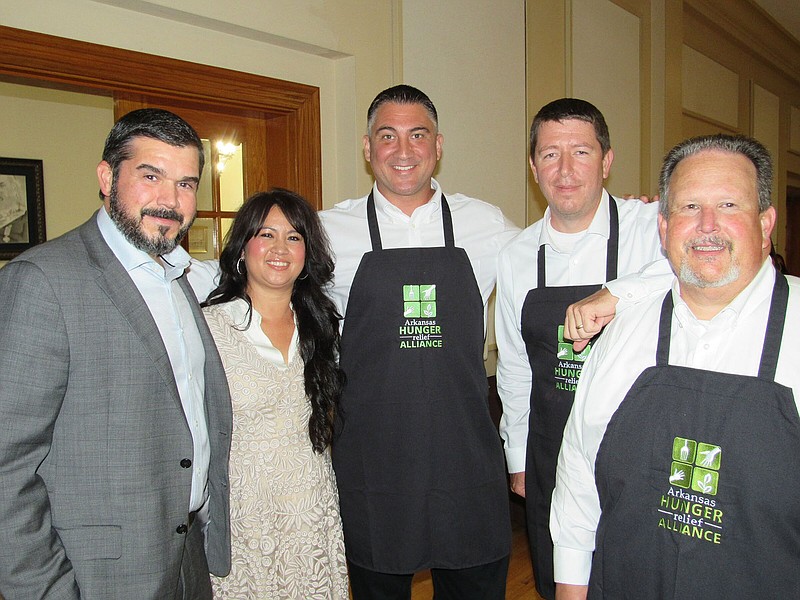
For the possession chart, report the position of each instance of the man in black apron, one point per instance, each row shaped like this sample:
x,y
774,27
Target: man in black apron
x,y
585,239
418,461
678,475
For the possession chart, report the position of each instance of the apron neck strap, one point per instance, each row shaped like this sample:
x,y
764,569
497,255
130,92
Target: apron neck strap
x,y
772,337
775,322
375,233
612,248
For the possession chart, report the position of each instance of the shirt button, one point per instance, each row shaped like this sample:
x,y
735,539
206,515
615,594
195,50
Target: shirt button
x,y
186,463
182,528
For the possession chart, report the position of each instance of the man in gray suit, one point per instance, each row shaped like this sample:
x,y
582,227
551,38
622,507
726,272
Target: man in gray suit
x,y
115,417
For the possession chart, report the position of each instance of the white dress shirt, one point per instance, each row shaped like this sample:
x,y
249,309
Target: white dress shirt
x,y
571,259
479,228
175,321
729,343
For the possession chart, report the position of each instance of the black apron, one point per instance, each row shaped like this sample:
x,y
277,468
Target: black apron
x,y
699,481
556,369
419,463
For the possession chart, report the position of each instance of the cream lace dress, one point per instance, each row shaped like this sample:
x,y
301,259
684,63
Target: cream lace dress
x,y
286,533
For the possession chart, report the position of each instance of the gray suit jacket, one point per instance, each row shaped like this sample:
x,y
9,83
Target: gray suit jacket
x,y
92,432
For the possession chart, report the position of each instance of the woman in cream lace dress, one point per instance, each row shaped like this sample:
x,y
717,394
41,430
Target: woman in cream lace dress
x,y
278,336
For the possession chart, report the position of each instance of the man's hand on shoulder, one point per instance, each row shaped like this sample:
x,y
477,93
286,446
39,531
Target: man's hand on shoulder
x,y
587,317
643,198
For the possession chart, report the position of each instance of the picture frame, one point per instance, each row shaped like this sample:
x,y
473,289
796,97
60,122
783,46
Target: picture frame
x,y
22,224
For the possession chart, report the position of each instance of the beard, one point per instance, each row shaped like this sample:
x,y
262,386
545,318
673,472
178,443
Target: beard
x,y
690,276
131,227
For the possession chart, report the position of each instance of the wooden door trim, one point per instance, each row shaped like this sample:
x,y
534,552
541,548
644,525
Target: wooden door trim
x,y
292,108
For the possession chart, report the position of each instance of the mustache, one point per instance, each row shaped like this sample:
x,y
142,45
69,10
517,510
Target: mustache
x,y
163,213
709,240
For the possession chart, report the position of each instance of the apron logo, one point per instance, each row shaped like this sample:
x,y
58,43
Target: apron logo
x,y
570,363
420,329
695,468
419,301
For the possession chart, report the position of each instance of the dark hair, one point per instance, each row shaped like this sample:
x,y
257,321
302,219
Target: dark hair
x,y
571,108
733,144
401,94
155,123
317,318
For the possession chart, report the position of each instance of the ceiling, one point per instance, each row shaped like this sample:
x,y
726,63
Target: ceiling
x,y
785,12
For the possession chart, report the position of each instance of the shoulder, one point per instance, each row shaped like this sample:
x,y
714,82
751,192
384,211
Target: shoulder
x,y
636,210
473,206
523,244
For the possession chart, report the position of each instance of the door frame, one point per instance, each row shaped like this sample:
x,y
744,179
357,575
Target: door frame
x,y
290,111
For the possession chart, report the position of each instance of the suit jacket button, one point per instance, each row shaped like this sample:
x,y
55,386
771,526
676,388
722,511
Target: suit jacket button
x,y
186,463
181,529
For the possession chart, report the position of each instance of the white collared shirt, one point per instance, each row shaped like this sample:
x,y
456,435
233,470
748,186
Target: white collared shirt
x,y
480,229
731,342
175,321
567,264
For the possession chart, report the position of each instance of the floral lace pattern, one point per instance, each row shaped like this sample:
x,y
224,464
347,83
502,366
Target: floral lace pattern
x,y
286,533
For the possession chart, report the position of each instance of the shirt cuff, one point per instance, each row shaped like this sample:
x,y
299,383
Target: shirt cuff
x,y
515,458
572,566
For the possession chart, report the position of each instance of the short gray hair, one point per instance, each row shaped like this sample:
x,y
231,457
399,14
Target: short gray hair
x,y
733,144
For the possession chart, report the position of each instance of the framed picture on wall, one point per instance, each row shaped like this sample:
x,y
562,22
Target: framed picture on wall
x,y
21,205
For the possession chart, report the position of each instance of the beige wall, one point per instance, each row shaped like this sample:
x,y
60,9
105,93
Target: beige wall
x,y
66,131
350,49
469,57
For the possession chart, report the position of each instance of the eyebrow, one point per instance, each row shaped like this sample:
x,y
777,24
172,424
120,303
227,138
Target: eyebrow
x,y
163,173
394,130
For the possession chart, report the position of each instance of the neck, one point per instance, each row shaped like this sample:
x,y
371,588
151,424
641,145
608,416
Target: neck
x,y
408,204
272,305
573,223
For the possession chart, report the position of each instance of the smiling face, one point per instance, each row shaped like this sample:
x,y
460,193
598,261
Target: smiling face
x,y
152,198
403,148
715,238
569,166
275,257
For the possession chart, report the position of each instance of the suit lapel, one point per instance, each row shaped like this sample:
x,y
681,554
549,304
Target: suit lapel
x,y
114,280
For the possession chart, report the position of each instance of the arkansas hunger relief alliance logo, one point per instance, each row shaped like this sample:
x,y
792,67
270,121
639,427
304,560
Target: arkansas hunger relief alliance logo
x,y
570,363
419,328
687,508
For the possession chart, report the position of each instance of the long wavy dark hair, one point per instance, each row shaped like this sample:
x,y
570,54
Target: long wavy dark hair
x,y
317,317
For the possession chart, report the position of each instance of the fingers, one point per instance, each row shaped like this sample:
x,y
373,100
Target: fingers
x,y
586,318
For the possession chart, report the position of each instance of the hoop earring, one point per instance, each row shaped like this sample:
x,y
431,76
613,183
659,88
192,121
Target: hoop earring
x,y
304,276
239,266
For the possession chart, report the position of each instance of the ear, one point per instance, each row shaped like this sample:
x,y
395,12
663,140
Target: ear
x,y
662,231
607,160
439,142
533,170
768,218
105,177
366,148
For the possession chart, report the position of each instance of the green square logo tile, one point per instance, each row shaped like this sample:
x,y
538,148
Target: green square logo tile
x,y
565,351
427,293
411,293
561,339
684,449
709,456
428,310
583,354
680,474
411,310
705,481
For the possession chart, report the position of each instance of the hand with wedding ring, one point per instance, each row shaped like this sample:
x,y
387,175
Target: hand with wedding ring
x,y
587,317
